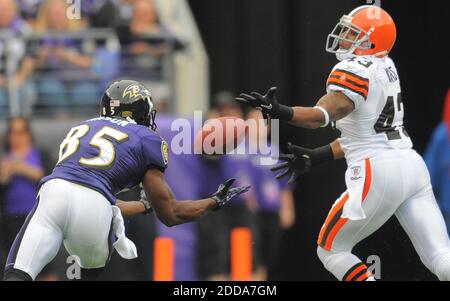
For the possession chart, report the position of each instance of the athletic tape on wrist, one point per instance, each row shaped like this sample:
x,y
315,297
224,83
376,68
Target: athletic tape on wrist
x,y
325,113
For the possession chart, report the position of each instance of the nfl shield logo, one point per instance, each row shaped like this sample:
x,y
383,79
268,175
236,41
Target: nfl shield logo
x,y
356,171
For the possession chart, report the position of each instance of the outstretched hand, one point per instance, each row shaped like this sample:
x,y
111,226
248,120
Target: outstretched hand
x,y
224,194
297,162
267,103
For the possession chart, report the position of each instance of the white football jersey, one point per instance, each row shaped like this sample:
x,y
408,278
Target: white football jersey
x,y
376,124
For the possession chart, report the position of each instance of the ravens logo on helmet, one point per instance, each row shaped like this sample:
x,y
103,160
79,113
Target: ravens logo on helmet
x,y
129,99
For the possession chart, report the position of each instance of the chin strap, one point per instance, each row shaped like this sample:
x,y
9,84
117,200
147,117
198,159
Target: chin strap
x,y
343,55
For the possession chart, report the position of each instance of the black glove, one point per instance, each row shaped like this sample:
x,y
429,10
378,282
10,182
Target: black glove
x,y
143,199
224,194
301,160
267,104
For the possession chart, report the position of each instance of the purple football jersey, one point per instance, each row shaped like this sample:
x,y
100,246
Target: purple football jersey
x,y
108,155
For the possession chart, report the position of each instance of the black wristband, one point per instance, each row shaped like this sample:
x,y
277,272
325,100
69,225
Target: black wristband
x,y
284,113
324,154
148,207
217,200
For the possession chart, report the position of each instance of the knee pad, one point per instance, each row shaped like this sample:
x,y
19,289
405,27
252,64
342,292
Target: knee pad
x,y
333,261
440,265
323,254
341,264
332,257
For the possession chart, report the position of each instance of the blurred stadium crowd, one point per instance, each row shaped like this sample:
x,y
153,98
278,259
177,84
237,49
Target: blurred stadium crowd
x,y
53,70
51,63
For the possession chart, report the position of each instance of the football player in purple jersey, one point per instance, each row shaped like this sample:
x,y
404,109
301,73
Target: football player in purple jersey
x,y
76,203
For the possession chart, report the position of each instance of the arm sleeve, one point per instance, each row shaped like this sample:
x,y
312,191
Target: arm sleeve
x,y
350,78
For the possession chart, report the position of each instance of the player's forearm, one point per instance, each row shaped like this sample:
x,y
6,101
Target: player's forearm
x,y
189,211
130,208
330,107
328,152
338,153
306,117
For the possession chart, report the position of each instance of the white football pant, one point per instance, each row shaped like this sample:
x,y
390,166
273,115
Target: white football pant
x,y
395,182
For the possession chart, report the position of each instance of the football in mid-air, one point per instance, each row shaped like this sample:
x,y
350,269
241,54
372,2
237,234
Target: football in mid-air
x,y
219,136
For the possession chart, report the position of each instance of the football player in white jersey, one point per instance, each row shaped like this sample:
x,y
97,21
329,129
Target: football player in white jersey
x,y
385,176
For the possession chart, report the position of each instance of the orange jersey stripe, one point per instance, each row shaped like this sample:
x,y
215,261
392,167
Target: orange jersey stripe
x,y
347,76
346,84
355,272
352,74
331,215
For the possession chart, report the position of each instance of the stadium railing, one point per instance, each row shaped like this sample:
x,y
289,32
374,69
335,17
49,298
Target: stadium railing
x,y
62,86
